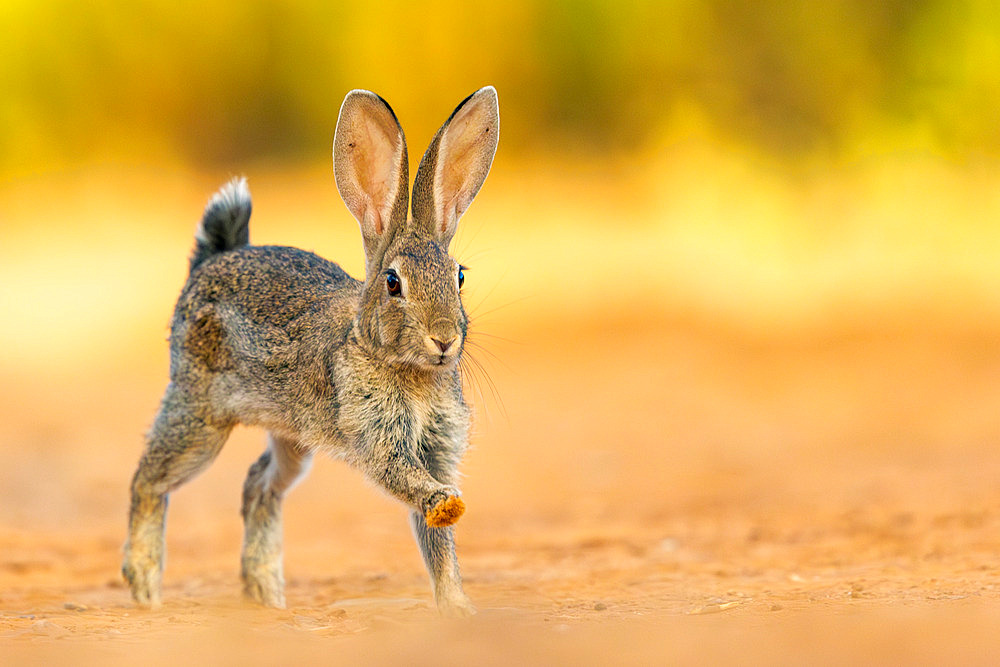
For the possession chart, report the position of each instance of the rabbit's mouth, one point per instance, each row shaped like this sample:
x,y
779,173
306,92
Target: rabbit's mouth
x,y
439,361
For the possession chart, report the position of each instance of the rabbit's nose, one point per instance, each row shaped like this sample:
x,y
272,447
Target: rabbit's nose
x,y
442,345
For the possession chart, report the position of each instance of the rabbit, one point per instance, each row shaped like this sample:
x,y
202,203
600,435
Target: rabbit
x,y
368,372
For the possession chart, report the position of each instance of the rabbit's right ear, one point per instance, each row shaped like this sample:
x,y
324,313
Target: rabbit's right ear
x,y
456,164
371,168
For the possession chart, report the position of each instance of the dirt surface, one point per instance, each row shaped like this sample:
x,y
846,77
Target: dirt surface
x,y
649,490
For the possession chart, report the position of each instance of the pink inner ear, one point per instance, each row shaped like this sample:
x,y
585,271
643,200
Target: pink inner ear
x,y
450,215
462,162
370,158
375,157
372,217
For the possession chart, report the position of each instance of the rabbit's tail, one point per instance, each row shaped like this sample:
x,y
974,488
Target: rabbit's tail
x,y
225,224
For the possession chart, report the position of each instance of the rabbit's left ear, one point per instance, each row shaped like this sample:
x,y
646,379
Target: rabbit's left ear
x,y
456,164
369,163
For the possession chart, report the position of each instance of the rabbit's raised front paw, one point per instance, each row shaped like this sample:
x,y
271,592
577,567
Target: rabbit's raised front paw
x,y
443,508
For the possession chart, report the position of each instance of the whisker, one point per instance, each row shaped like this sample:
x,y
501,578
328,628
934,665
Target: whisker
x,y
466,241
477,334
469,378
488,351
494,391
492,289
471,259
478,316
468,373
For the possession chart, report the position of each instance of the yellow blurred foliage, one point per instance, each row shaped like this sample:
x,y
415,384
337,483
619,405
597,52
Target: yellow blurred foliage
x,y
219,83
773,166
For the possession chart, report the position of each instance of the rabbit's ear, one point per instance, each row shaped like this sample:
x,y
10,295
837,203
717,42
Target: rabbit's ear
x,y
371,168
456,164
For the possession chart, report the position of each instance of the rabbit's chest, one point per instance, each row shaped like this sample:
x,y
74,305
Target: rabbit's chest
x,y
409,416
420,422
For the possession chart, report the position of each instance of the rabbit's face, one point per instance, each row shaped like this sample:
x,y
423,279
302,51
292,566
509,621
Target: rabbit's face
x,y
411,311
418,319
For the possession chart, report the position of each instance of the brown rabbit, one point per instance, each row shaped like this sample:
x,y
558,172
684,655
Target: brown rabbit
x,y
368,372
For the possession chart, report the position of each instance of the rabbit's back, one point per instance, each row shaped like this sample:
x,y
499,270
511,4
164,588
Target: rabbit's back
x,y
269,285
253,327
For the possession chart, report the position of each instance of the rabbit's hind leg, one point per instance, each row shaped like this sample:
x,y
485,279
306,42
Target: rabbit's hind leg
x,y
181,443
281,465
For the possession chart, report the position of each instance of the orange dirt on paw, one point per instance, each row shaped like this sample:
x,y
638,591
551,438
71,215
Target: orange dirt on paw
x,y
445,513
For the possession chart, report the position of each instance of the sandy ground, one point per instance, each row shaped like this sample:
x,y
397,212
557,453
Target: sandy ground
x,y
649,483
656,490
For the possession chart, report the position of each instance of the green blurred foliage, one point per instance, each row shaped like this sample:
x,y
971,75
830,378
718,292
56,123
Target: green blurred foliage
x,y
217,83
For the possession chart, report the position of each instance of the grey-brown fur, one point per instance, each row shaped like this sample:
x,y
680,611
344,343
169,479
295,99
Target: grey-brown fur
x,y
281,338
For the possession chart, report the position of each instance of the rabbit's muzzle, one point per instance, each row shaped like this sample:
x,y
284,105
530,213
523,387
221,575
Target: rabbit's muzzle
x,y
443,342
442,350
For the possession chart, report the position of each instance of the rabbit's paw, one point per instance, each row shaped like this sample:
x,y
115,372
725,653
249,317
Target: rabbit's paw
x,y
143,577
264,590
455,606
443,508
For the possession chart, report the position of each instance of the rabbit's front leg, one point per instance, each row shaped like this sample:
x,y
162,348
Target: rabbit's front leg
x,y
437,546
399,473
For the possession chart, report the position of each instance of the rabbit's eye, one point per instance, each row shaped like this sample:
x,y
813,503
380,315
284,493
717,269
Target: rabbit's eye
x,y
392,284
461,276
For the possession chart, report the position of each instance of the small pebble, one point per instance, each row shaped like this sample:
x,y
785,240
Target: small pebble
x,y
72,606
600,606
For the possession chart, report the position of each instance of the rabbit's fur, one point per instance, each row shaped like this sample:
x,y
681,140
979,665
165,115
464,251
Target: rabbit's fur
x,y
281,338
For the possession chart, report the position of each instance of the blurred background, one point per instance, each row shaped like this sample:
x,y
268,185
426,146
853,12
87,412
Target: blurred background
x,y
733,259
771,164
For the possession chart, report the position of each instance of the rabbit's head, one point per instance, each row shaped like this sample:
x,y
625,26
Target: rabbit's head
x,y
411,309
